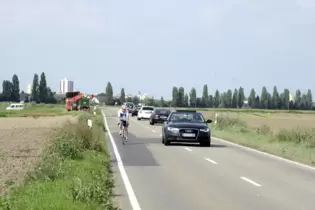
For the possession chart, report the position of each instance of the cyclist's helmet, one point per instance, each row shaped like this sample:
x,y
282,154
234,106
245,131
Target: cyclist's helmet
x,y
123,107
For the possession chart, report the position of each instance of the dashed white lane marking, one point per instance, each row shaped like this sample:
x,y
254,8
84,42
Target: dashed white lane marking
x,y
250,181
153,131
188,149
131,194
211,161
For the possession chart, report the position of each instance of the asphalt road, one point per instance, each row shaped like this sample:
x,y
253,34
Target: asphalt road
x,y
151,176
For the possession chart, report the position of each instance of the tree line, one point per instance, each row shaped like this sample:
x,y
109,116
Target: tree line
x,y
237,99
229,99
40,92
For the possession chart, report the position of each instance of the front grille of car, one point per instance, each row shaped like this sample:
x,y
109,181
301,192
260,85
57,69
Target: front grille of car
x,y
189,130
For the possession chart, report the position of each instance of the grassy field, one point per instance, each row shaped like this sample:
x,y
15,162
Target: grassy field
x,y
35,110
289,135
73,173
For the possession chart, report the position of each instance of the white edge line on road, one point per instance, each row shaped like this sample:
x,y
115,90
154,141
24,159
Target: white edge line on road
x,y
186,148
250,181
266,154
211,161
131,194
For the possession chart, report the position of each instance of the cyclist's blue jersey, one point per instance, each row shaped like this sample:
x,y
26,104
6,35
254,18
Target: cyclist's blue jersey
x,y
123,116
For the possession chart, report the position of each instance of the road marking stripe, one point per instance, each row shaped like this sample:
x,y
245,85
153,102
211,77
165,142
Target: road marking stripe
x,y
250,181
131,194
211,161
153,131
266,154
186,148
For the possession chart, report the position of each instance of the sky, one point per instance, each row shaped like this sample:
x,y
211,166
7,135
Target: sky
x,y
151,46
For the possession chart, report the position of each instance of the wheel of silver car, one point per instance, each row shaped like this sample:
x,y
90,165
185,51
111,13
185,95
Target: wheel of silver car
x,y
138,118
151,122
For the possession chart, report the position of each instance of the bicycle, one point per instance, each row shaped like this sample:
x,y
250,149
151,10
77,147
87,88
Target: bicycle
x,y
124,132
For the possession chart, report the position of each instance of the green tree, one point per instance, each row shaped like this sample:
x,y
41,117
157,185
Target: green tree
x,y
186,100
43,93
162,102
298,99
135,100
309,100
193,97
275,98
50,97
175,97
122,95
252,99
241,97
257,102
217,99
228,98
234,99
181,95
109,99
264,98
15,88
205,96
211,101
286,99
35,89
7,90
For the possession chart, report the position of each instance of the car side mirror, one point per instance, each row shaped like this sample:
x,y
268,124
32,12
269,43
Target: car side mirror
x,y
209,121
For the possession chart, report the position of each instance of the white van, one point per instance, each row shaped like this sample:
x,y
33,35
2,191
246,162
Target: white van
x,y
15,107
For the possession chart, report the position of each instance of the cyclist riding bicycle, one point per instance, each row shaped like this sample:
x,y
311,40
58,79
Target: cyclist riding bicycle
x,y
123,118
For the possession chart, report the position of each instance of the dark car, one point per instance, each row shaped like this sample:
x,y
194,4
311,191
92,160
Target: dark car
x,y
186,126
129,106
159,116
135,110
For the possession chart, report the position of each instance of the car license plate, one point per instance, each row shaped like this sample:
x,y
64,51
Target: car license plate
x,y
163,117
148,112
189,135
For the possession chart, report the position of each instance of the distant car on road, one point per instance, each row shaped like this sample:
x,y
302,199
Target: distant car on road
x,y
186,126
145,112
19,106
129,106
159,115
135,110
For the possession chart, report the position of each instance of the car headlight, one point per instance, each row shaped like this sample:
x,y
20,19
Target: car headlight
x,y
172,129
205,130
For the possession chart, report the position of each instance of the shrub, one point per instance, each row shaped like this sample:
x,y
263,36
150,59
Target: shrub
x,y
298,135
264,130
227,122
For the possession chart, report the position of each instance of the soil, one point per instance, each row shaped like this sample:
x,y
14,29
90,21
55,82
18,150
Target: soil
x,y
21,142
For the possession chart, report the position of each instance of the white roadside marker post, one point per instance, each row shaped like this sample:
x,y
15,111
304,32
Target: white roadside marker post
x,y
89,122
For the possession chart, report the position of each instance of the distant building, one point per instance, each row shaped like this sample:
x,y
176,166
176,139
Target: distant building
x,y
143,96
65,86
29,89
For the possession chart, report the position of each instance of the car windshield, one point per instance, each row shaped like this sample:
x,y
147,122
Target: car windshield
x,y
147,108
162,111
187,117
129,105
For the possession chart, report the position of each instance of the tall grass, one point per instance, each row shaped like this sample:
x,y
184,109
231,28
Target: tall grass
x,y
74,172
296,144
